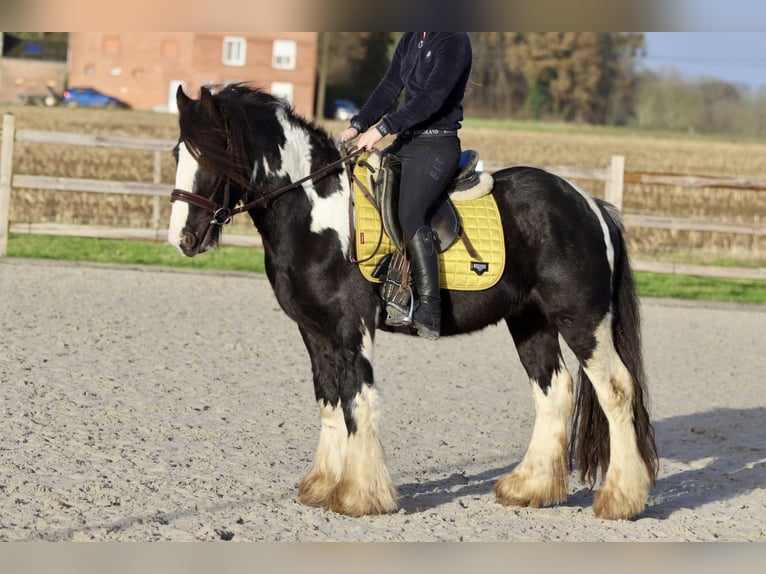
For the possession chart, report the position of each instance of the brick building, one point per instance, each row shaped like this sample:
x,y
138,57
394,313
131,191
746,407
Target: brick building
x,y
145,68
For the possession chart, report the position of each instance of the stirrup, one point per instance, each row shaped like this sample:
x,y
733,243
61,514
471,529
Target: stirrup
x,y
398,314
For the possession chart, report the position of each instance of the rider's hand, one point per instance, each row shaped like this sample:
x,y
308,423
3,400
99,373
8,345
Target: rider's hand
x,y
369,138
348,134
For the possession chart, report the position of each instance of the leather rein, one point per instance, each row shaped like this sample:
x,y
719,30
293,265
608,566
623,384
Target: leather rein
x,y
223,214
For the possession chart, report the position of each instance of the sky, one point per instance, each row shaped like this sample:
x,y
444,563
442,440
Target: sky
x,y
736,57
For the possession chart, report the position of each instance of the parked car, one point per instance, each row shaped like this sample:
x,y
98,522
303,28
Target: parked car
x,y
341,110
91,98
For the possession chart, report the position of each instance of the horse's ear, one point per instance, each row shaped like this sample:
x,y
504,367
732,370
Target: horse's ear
x,y
182,100
208,104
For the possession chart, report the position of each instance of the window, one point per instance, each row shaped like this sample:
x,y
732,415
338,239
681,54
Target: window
x,y
283,57
170,48
282,90
111,45
234,50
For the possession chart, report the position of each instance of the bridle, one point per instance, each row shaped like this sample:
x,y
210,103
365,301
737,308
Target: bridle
x,y
222,214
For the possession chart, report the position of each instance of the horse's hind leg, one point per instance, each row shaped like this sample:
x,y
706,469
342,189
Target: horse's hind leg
x,y
626,484
541,478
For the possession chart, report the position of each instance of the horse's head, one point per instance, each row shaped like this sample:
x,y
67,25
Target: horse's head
x,y
209,175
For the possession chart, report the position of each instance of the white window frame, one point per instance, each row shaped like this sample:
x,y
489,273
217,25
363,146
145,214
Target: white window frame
x,y
234,50
284,54
283,90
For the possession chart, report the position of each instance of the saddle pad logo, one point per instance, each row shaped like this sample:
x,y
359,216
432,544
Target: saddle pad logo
x,y
479,267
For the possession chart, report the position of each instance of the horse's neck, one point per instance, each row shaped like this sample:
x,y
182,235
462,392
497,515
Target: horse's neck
x,y
326,197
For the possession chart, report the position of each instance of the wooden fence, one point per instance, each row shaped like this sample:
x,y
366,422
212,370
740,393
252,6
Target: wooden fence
x,y
613,177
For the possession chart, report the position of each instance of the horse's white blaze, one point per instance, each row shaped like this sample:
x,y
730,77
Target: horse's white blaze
x,y
326,212
627,478
185,174
602,222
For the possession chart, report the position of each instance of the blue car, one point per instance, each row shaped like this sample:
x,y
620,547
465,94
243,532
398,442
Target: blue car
x,y
341,110
90,98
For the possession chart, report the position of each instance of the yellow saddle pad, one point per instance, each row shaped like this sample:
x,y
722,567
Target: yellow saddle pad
x,y
480,220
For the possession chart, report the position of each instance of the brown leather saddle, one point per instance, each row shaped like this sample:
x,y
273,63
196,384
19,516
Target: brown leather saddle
x,y
442,217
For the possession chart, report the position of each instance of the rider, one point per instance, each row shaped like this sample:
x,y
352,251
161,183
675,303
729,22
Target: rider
x,y
432,68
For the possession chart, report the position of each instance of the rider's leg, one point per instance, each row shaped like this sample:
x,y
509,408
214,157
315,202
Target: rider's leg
x,y
428,164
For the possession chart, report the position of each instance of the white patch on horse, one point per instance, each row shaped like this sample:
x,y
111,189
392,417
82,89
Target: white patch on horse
x,y
179,213
604,227
542,477
326,212
366,486
325,473
368,344
331,450
549,436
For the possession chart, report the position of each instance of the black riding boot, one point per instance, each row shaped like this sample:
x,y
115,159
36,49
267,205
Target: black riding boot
x,y
427,318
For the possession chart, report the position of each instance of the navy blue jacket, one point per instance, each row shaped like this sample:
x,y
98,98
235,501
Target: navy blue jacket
x,y
433,76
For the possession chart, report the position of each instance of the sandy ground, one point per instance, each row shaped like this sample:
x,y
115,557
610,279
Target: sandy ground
x,y
142,404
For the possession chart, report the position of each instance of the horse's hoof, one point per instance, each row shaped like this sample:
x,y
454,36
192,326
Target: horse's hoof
x,y
346,500
611,504
514,490
316,489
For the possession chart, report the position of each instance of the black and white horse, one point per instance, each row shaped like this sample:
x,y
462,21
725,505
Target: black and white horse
x,y
567,274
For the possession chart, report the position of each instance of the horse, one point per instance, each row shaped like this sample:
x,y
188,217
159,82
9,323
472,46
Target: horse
x,y
567,275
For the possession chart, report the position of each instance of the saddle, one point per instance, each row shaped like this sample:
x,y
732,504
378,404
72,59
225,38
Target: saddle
x,y
385,174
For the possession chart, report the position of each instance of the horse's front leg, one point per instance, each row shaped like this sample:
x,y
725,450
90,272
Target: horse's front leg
x,y
325,472
349,474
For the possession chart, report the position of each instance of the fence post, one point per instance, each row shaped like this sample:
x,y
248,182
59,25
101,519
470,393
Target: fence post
x,y
614,185
6,172
157,178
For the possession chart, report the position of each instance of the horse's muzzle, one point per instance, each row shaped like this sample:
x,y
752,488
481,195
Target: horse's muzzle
x,y
189,244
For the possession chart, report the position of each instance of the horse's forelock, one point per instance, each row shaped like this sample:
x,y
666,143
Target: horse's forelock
x,y
216,143
246,121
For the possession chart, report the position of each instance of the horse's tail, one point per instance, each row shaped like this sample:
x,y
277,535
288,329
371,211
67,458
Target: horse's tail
x,y
590,440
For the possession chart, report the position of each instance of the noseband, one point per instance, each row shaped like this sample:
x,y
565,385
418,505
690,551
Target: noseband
x,y
222,214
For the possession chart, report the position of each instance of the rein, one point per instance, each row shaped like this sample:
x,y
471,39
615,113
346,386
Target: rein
x,y
222,214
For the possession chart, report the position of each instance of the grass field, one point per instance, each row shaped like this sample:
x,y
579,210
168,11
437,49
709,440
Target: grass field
x,y
251,260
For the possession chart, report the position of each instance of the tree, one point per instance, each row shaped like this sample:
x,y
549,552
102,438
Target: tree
x,y
351,63
371,65
572,76
568,76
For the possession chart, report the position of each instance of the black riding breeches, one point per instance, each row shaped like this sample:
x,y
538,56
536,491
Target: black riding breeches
x,y
428,165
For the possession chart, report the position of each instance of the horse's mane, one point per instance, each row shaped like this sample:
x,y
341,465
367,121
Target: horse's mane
x,y
220,141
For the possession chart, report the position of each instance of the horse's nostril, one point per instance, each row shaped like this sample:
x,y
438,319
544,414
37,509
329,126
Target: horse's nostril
x,y
188,243
188,239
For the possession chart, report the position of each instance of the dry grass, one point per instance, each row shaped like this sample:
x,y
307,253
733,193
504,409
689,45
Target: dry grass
x,y
587,147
